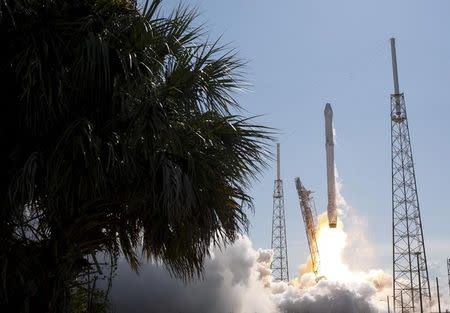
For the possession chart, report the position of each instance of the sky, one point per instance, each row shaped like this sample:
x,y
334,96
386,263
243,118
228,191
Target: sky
x,y
302,54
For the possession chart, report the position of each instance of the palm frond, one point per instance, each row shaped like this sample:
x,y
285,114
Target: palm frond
x,y
130,140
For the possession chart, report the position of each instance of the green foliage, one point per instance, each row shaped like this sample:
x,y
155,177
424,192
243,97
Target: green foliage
x,y
119,132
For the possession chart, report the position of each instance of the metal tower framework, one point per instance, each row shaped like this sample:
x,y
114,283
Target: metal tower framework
x,y
410,271
279,264
309,215
448,273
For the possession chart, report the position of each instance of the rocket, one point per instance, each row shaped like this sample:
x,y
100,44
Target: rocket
x,y
331,184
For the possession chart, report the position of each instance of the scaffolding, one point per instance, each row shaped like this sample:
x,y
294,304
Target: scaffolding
x,y
279,265
448,273
410,271
309,215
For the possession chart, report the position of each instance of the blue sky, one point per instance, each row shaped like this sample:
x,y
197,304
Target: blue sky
x,y
303,54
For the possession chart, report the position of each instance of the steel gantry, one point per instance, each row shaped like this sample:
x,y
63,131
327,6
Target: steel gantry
x,y
279,266
410,271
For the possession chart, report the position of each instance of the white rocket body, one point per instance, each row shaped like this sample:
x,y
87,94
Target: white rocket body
x,y
331,183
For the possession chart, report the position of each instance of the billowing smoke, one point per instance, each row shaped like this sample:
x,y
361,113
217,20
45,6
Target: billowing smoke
x,y
338,288
331,296
238,280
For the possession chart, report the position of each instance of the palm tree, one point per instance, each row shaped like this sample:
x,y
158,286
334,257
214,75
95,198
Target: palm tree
x,y
120,132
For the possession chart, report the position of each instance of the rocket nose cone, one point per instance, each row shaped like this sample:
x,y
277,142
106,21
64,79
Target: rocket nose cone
x,y
328,110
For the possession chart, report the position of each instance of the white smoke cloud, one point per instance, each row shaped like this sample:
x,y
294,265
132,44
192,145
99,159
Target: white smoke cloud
x,y
330,296
356,226
238,280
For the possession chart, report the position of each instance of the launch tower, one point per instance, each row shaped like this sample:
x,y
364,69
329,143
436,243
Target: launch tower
x,y
448,271
309,218
279,264
410,277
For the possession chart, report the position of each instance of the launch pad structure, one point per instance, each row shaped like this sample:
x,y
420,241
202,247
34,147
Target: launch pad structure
x,y
309,215
411,285
410,271
448,273
279,265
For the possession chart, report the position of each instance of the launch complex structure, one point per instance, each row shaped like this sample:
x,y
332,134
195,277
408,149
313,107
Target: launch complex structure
x,y
448,273
309,215
279,266
411,285
410,272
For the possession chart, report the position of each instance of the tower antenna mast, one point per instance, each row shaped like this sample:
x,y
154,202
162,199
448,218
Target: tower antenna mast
x,y
410,277
448,272
279,266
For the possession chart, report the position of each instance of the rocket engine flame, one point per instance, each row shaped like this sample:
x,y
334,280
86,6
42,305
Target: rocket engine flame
x,y
238,279
336,279
331,243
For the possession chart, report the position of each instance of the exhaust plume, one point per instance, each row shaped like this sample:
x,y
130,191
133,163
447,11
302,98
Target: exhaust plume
x,y
238,280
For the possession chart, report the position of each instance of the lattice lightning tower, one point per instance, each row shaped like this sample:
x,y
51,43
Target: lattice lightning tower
x,y
448,271
407,233
279,264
